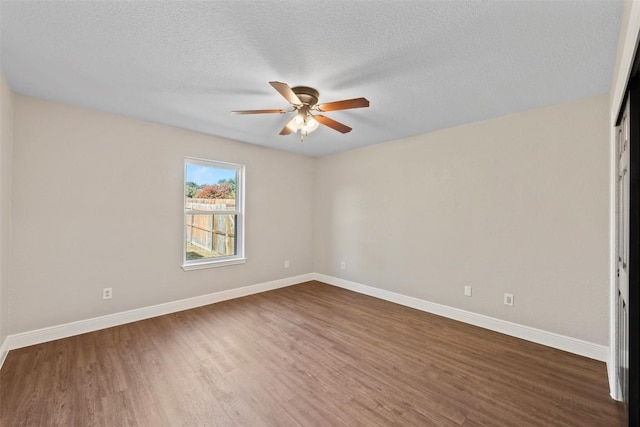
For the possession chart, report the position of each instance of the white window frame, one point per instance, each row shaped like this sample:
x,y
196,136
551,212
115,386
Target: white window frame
x,y
239,257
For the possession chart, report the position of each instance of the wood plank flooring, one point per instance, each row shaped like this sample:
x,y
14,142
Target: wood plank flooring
x,y
306,355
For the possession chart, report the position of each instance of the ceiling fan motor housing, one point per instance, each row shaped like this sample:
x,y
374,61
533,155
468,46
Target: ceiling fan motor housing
x,y
307,95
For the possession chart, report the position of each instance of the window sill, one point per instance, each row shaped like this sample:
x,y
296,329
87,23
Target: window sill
x,y
212,264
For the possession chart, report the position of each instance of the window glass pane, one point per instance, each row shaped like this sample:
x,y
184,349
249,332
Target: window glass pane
x,y
210,236
209,188
213,216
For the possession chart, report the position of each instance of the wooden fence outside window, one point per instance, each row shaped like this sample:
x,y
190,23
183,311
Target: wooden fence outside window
x,y
213,230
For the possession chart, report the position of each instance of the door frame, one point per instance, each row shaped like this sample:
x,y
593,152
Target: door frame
x,y
634,249
626,78
622,217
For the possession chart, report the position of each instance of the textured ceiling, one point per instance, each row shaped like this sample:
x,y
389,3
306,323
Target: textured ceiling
x,y
423,65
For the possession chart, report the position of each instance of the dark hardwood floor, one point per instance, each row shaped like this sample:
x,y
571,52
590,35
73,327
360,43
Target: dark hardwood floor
x,y
310,354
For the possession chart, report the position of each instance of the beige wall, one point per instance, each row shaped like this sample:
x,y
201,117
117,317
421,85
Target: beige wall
x,y
517,204
6,145
97,202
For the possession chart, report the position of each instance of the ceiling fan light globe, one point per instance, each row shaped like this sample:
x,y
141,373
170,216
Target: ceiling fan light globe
x,y
312,124
296,123
292,126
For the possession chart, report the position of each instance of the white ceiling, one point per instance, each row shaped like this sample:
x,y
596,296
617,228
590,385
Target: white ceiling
x,y
423,65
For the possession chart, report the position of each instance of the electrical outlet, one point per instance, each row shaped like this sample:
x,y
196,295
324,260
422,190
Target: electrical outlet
x,y
467,291
107,293
286,264
508,299
343,265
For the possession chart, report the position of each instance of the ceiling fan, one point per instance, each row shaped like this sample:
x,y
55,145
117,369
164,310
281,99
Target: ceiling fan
x,y
305,100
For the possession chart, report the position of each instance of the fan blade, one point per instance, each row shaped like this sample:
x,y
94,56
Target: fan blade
x,y
261,111
285,130
332,124
343,105
286,92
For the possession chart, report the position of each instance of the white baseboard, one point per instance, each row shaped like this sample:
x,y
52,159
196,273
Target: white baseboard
x,y
89,325
613,384
4,350
550,339
572,345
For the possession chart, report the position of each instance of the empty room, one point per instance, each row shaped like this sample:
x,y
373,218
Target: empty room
x,y
337,213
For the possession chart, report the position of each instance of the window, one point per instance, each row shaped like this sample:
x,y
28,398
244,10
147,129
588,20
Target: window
x,y
213,214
